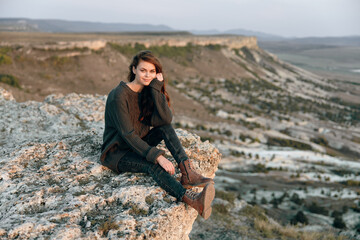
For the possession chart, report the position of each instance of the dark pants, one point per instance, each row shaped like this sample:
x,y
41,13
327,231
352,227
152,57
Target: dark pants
x,y
132,162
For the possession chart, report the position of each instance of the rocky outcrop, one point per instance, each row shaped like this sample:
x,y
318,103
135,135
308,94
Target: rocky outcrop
x,y
52,184
228,41
148,40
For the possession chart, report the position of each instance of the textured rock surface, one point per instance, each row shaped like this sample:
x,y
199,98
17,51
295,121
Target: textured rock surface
x,y
51,182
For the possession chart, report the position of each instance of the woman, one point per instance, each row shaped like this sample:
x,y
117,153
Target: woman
x,y
129,144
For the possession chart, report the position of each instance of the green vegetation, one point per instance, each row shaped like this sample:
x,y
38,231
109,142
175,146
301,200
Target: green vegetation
x,y
248,54
236,153
339,222
59,62
215,47
10,80
249,85
254,212
270,230
342,172
5,50
5,59
296,199
261,99
221,208
180,54
260,168
351,183
277,201
275,141
127,49
228,196
299,218
274,231
321,141
314,208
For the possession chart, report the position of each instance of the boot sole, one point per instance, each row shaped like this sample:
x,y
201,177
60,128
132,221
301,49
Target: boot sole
x,y
209,194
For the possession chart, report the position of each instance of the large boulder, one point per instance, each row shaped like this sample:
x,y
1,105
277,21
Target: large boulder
x,y
53,185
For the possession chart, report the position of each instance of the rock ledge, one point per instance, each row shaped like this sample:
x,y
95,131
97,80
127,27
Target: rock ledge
x,y
52,184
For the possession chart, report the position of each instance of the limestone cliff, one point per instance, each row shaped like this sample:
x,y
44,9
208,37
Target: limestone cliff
x,y
52,184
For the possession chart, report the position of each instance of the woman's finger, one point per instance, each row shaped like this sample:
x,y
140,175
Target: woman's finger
x,y
159,76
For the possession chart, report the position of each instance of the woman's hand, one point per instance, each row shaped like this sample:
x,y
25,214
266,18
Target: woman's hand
x,y
166,164
159,77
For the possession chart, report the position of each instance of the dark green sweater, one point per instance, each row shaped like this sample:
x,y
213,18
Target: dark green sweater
x,y
123,128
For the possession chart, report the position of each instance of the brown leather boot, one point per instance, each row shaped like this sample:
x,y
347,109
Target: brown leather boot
x,y
201,202
190,178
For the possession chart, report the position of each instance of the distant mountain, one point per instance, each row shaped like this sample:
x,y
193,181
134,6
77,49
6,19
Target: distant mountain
x,y
260,35
54,25
51,25
332,41
206,32
243,32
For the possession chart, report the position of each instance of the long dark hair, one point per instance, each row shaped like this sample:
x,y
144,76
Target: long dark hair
x,y
146,102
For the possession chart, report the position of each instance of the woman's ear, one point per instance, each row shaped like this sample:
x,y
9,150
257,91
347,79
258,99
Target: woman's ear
x,y
134,70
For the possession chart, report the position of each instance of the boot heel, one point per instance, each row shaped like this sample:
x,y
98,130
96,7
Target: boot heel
x,y
207,213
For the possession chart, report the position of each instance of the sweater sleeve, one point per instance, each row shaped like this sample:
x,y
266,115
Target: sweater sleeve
x,y
162,114
123,125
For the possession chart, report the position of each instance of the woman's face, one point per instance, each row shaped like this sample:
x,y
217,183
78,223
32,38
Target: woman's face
x,y
145,72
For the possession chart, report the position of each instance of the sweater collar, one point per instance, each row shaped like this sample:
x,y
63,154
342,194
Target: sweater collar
x,y
128,89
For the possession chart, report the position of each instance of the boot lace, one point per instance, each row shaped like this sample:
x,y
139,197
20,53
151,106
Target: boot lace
x,y
189,164
191,194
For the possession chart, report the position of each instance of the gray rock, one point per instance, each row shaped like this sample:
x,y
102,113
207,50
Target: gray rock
x,y
53,185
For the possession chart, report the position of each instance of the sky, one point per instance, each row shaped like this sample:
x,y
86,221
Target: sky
x,y
287,18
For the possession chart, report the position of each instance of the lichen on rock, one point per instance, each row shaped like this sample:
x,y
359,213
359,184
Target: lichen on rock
x,y
52,183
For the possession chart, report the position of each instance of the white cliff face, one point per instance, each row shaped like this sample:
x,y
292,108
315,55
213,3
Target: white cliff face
x,y
53,185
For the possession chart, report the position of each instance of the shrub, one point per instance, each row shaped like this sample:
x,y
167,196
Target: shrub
x,y
339,222
299,218
254,212
4,59
228,133
336,214
314,208
10,80
180,54
228,196
235,153
260,168
274,141
221,208
296,199
321,141
215,47
351,183
58,62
